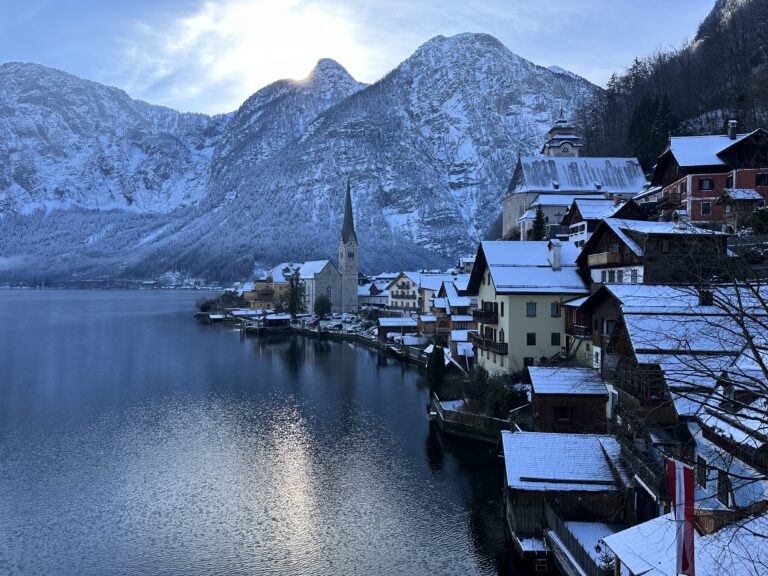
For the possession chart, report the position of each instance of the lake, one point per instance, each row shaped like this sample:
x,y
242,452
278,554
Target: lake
x,y
136,441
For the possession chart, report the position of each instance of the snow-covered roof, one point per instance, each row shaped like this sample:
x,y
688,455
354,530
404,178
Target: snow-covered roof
x,y
563,200
577,381
595,208
621,227
459,335
660,333
649,549
583,174
281,272
465,349
397,322
574,462
576,303
309,269
524,267
743,194
461,317
701,150
428,318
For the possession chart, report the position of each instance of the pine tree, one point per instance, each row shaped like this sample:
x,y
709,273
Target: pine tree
x,y
322,305
435,369
539,230
294,295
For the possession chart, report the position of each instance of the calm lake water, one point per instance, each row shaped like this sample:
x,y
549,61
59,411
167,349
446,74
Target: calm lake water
x,y
135,441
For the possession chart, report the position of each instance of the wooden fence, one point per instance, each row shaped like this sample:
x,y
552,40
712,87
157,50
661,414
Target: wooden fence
x,y
572,544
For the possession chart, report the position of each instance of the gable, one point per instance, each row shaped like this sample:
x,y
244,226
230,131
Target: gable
x,y
749,152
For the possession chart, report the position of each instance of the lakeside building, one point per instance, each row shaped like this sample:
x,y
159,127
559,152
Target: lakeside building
x,y
520,289
711,177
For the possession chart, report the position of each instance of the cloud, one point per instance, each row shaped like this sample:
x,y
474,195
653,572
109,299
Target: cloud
x,y
214,58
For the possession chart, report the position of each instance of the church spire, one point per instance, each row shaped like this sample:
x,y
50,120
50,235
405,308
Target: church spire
x,y
348,230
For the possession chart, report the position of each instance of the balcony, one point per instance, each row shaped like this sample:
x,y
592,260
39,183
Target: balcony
x,y
485,316
404,295
604,259
580,332
489,345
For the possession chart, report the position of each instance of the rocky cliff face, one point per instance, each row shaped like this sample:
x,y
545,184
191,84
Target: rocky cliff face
x,y
139,190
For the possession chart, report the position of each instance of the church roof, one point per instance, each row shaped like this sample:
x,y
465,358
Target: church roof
x,y
348,229
582,174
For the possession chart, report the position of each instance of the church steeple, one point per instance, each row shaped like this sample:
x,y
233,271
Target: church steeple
x,y
348,229
348,257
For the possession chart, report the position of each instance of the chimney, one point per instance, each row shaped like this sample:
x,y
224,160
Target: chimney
x,y
554,254
617,200
732,129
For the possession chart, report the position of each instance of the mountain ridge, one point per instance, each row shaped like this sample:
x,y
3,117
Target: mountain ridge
x,y
429,149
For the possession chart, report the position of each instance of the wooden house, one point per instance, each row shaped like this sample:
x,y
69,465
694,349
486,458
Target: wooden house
x,y
568,400
694,171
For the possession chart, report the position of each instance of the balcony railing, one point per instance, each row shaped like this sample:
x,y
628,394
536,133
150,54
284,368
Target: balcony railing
x,y
485,316
603,258
404,295
489,345
581,332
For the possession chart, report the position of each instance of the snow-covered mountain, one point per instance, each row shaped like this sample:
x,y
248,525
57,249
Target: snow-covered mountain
x,y
138,190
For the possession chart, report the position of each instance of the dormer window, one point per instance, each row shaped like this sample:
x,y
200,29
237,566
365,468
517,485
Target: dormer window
x,y
555,184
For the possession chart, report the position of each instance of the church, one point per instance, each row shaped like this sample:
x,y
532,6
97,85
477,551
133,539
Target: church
x,y
560,174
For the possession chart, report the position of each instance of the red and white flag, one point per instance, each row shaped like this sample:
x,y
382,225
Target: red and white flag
x,y
681,487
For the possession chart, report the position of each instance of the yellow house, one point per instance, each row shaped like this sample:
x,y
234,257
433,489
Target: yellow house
x,y
521,288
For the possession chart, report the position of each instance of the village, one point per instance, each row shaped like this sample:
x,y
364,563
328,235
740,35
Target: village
x,y
617,327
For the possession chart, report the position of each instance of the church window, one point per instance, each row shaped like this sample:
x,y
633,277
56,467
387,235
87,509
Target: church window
x,y
350,254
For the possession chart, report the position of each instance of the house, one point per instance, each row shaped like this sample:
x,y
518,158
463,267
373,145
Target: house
x,y
429,285
553,208
739,204
395,326
536,177
462,349
649,549
584,214
404,292
521,288
550,478
624,251
568,400
373,294
694,171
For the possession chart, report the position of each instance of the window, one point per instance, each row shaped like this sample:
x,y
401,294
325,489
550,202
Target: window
x,y
633,276
684,187
587,346
563,413
761,179
706,208
723,488
706,184
614,248
528,361
501,335
530,338
609,325
729,181
555,309
350,254
555,340
701,471
603,275
620,276
530,309
502,309
611,276
665,246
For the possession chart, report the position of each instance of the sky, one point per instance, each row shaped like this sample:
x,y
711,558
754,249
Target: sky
x,y
210,55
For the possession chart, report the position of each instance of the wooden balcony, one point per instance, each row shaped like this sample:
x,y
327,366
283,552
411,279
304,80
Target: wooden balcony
x,y
604,259
485,316
580,332
489,345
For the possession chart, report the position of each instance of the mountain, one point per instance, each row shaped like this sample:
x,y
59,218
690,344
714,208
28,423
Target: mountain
x,y
721,73
95,184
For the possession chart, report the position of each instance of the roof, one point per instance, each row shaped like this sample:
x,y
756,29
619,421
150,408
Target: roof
x,y
348,228
742,194
701,150
581,174
459,335
397,322
574,462
648,549
309,269
524,268
563,199
280,272
595,208
659,333
572,381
